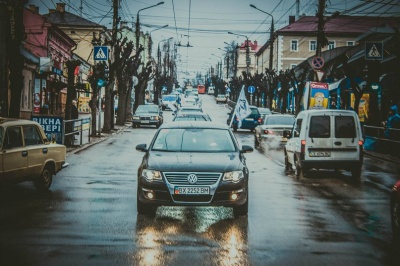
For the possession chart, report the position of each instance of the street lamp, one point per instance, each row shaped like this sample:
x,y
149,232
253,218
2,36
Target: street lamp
x,y
151,40
271,37
247,50
138,25
220,66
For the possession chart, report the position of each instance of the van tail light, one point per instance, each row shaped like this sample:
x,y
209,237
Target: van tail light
x,y
260,120
303,146
360,142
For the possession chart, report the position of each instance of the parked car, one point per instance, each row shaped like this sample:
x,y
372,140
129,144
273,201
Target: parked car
x,y
395,210
147,114
27,154
325,139
270,133
191,116
221,98
193,164
250,122
169,101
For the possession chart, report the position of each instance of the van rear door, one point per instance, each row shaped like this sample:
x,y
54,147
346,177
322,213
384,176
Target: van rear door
x,y
319,141
345,145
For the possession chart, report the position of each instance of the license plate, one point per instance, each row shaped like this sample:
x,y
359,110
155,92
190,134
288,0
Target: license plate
x,y
320,154
145,121
284,139
249,119
192,190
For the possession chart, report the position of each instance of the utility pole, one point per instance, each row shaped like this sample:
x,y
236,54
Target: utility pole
x,y
321,39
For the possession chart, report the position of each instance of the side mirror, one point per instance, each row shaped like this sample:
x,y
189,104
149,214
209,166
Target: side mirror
x,y
247,149
141,147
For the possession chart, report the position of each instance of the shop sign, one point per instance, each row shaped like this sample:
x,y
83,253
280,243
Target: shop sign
x,y
56,70
52,126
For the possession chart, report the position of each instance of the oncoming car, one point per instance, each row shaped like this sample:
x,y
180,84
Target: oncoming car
x,y
27,155
147,115
193,164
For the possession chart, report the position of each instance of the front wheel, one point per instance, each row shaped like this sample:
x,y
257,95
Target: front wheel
x,y
145,209
242,209
43,182
299,171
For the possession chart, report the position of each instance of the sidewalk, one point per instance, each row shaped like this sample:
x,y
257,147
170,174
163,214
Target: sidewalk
x,y
97,139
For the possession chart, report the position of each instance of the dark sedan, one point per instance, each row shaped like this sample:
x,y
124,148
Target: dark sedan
x,y
193,164
146,115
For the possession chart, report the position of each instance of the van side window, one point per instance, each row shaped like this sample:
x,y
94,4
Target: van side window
x,y
320,127
297,128
345,127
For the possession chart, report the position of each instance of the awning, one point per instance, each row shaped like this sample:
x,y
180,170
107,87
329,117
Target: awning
x,y
335,85
344,83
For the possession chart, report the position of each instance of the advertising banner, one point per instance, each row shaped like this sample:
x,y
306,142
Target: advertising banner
x,y
36,97
52,126
319,94
363,107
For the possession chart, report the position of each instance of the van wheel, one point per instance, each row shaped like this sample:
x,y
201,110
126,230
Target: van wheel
x,y
356,172
43,182
299,172
288,166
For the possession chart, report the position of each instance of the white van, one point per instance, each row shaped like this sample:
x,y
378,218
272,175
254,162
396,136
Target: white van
x,y
325,139
210,90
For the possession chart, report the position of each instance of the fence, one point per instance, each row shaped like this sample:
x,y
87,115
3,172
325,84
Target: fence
x,y
79,126
376,140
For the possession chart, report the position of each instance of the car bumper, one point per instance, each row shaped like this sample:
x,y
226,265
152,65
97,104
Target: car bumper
x,y
145,122
222,196
330,164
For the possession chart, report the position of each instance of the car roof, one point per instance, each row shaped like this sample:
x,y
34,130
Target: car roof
x,y
7,122
194,124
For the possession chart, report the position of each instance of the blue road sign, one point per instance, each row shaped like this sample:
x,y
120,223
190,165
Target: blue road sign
x,y
251,89
100,53
373,50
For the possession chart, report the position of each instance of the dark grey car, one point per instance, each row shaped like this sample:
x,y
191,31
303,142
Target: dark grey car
x,y
193,164
147,115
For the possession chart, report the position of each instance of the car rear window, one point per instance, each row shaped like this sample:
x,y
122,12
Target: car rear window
x,y
194,140
345,127
320,127
279,120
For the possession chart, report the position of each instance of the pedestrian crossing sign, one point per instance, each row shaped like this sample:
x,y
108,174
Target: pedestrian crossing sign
x,y
100,53
373,50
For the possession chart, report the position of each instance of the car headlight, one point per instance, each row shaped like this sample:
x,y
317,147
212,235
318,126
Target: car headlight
x,y
154,118
136,117
151,175
234,176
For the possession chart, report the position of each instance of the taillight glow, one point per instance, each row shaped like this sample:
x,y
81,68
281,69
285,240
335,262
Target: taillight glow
x,y
303,146
360,142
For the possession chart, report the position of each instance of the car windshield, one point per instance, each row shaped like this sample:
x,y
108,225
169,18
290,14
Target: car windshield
x,y
194,140
265,111
190,109
279,120
147,109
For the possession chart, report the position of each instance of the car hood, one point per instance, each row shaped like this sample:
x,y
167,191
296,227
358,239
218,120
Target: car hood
x,y
194,162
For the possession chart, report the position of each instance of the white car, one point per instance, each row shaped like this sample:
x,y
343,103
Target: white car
x,y
325,139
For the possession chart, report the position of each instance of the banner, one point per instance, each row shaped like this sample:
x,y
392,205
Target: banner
x,y
363,107
319,94
242,109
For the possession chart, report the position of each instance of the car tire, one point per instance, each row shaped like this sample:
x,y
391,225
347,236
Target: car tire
x,y
395,217
288,166
145,209
241,210
256,142
356,172
299,171
43,182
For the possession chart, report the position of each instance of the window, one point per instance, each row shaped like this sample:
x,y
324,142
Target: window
x,y
313,45
13,137
293,45
350,43
345,127
331,45
320,127
32,136
297,128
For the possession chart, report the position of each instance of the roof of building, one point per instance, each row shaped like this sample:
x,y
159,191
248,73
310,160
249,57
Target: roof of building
x,y
339,25
65,18
252,45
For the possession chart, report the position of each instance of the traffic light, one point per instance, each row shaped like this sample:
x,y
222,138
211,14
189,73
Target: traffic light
x,y
106,72
100,74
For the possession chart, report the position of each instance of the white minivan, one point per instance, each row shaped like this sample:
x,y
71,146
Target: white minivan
x,y
324,139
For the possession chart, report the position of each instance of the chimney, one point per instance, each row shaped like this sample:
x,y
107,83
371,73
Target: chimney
x,y
34,9
51,10
61,7
292,19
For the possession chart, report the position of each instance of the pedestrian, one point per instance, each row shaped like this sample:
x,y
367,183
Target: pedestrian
x,y
74,115
393,121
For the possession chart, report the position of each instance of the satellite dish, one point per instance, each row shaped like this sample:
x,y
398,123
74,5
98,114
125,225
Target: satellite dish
x,y
135,81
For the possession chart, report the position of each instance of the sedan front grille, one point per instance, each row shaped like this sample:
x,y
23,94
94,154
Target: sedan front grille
x,y
202,178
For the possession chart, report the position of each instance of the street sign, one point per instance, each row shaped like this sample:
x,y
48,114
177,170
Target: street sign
x,y
373,50
100,53
318,62
251,89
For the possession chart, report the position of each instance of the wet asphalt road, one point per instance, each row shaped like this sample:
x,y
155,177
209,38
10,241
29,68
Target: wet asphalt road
x,y
89,215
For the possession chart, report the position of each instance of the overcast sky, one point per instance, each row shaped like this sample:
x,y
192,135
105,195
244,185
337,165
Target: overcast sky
x,y
204,24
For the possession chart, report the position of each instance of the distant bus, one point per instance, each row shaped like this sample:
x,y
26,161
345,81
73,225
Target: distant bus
x,y
201,89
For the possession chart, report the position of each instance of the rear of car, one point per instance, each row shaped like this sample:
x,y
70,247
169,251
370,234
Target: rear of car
x,y
270,133
327,139
221,98
250,122
211,90
168,102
